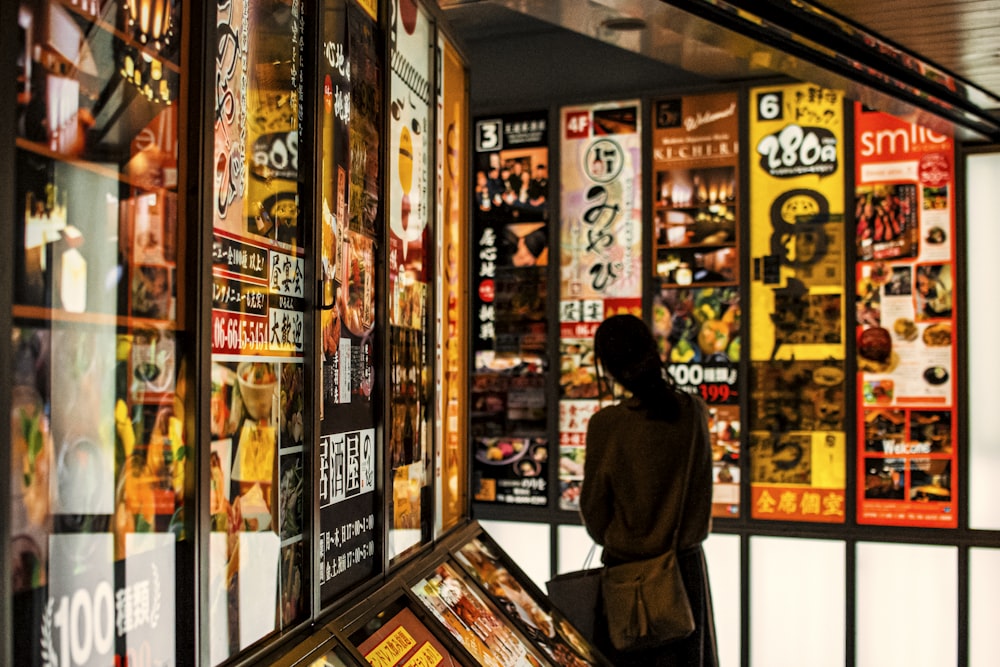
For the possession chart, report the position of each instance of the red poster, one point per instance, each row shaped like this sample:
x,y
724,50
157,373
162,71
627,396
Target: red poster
x,y
906,326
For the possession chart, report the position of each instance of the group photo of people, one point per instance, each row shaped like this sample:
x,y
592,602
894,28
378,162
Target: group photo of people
x,y
512,184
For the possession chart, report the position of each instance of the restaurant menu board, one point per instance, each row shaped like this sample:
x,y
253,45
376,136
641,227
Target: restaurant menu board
x,y
906,323
696,309
456,603
531,613
257,560
452,279
99,379
797,350
396,637
408,431
600,259
511,237
351,71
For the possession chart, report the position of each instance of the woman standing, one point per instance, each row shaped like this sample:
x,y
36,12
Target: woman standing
x,y
638,452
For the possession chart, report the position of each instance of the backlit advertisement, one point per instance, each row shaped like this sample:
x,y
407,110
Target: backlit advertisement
x,y
256,458
408,216
906,327
797,304
696,308
512,236
600,259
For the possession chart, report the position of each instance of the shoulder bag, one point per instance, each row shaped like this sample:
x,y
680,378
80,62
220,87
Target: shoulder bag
x,y
577,595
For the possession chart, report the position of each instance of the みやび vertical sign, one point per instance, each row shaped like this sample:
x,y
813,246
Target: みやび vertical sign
x,y
906,328
600,259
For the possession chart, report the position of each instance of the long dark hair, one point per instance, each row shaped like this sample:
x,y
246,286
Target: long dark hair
x,y
626,349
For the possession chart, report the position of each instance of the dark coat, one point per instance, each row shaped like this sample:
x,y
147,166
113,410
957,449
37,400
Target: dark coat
x,y
630,503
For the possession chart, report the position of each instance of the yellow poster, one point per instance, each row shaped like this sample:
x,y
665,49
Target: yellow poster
x,y
796,223
798,306
453,325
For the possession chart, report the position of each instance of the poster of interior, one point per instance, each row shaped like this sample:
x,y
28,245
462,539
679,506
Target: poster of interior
x,y
453,266
906,323
257,558
408,214
796,430
600,260
511,228
696,310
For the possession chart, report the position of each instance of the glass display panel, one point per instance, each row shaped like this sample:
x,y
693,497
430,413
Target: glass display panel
x,y
258,454
409,433
452,282
600,260
510,333
906,615
906,324
800,582
722,552
984,606
396,636
351,129
529,610
797,429
982,203
474,622
696,309
100,372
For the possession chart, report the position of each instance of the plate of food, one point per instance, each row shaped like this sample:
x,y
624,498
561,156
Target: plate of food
x,y
255,454
257,382
937,335
501,451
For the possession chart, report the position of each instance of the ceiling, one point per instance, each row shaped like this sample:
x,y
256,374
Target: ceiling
x,y
962,36
959,38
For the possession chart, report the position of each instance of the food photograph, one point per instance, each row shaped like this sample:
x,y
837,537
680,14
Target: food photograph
x,y
537,619
698,325
578,375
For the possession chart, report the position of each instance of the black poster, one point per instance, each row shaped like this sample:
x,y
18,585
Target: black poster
x,y
510,244
350,75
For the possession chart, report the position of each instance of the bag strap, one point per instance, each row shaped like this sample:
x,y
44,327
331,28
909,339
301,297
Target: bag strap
x,y
687,473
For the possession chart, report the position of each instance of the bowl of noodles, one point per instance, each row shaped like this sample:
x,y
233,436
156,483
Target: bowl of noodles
x,y
257,381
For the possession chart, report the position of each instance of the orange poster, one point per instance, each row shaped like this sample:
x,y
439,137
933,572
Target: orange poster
x,y
904,231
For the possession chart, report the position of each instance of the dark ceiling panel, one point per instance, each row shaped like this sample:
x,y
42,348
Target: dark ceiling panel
x,y
961,38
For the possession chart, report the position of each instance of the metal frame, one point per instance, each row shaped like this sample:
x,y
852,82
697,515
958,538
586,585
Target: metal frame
x,y
8,95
